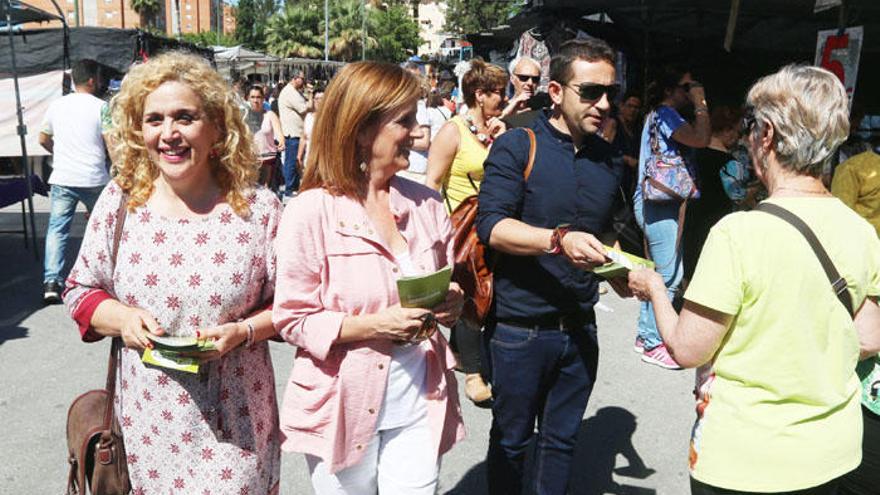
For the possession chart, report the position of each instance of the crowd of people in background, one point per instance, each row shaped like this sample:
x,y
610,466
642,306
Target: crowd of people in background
x,y
368,170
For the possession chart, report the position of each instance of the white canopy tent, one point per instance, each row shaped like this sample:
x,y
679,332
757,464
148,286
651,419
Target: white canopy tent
x,y
239,61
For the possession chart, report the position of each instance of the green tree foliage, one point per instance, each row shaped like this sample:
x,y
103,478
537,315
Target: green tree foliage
x,y
146,10
469,16
209,38
295,31
397,34
346,33
251,21
298,30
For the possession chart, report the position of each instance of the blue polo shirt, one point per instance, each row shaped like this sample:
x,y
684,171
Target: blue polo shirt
x,y
580,189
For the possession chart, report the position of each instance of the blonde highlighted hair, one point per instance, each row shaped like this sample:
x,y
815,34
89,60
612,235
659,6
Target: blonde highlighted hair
x,y
234,161
358,99
808,109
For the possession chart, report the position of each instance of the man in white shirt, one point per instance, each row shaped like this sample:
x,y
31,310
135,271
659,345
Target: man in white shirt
x,y
71,131
292,108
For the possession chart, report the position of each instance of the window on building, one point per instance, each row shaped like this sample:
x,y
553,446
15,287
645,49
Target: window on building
x,y
189,7
109,15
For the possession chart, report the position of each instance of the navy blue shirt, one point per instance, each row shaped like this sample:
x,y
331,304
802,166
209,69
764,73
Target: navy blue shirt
x,y
564,187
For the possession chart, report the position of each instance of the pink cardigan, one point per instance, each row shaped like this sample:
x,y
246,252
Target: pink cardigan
x,y
331,264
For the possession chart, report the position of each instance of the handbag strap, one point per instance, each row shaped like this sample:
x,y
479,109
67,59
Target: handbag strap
x,y
838,283
116,343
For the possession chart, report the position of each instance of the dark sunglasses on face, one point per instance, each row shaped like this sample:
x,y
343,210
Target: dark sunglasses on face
x,y
593,91
525,78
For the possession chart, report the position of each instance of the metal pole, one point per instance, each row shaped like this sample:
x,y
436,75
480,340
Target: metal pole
x,y
22,130
326,30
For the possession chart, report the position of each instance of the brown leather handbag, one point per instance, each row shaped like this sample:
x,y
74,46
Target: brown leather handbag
x,y
472,270
96,451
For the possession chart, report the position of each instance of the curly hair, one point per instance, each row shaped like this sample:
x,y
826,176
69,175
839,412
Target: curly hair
x,y
235,167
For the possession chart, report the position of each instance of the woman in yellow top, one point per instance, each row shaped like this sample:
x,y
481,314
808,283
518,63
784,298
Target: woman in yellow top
x,y
455,168
455,160
778,396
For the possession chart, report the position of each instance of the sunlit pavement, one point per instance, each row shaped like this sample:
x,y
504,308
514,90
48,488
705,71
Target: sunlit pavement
x,y
633,439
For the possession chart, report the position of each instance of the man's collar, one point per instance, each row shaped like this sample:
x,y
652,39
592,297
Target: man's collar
x,y
546,115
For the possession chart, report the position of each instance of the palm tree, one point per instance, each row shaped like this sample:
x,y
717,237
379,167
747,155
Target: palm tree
x,y
147,10
346,33
295,32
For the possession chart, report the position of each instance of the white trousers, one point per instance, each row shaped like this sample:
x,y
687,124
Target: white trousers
x,y
399,461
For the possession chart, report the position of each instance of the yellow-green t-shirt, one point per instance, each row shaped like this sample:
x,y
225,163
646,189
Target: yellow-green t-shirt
x,y
779,408
467,162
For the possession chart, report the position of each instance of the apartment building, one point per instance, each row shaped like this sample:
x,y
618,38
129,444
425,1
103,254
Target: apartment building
x,y
172,17
431,15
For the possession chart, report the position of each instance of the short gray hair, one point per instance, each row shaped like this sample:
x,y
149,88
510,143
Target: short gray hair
x,y
808,109
513,63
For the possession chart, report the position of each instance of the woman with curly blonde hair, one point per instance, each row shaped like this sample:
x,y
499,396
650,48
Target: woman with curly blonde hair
x,y
193,258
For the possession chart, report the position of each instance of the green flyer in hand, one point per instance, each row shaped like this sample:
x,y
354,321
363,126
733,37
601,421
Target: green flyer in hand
x,y
622,263
425,291
168,349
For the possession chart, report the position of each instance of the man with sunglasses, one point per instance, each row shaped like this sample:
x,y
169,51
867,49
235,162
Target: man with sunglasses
x,y
542,331
525,77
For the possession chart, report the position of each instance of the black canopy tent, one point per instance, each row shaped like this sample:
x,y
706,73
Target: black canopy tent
x,y
41,49
766,35
15,13
37,51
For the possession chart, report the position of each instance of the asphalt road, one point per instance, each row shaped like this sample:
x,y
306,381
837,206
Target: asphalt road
x,y
633,438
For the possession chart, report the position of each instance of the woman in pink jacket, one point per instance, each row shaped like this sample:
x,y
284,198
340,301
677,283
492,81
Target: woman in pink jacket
x,y
371,402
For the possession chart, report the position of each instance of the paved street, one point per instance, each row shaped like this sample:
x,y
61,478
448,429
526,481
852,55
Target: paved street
x,y
633,438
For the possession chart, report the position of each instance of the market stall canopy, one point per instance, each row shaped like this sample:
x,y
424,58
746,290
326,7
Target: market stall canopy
x,y
767,34
777,25
21,13
240,54
42,50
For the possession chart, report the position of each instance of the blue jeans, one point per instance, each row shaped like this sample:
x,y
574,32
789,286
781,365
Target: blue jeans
x,y
543,375
659,222
291,174
64,200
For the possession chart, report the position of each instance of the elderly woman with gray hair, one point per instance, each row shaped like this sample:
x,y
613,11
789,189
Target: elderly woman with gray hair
x,y
777,344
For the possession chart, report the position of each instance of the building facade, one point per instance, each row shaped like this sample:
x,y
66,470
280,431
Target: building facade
x,y
431,16
173,16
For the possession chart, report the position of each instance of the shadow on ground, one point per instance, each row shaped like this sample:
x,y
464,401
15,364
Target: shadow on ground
x,y
21,273
601,439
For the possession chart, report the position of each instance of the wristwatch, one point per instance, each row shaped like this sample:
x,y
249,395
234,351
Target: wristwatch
x,y
556,239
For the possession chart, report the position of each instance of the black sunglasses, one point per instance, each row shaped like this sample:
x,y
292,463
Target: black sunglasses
x,y
593,91
525,78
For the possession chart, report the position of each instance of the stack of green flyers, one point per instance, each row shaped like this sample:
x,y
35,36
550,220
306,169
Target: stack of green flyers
x,y
622,263
168,351
425,291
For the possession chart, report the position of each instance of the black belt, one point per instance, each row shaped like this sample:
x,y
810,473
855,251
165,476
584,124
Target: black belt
x,y
552,322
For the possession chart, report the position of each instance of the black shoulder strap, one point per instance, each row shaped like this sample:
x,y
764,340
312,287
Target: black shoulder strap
x,y
838,283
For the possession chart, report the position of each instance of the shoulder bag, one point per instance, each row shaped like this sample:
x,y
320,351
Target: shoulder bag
x,y
471,269
667,177
96,451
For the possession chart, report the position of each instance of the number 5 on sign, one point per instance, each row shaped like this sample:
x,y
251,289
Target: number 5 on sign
x,y
839,52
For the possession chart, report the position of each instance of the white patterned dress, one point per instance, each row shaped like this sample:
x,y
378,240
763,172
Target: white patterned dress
x,y
214,432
